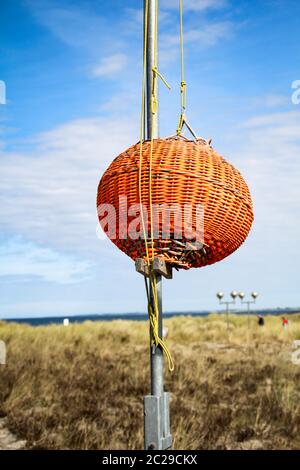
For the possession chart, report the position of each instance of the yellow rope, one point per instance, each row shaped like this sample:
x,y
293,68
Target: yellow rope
x,y
182,118
154,108
142,127
153,307
183,82
153,317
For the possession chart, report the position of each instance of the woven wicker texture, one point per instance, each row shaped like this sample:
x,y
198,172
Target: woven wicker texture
x,y
183,172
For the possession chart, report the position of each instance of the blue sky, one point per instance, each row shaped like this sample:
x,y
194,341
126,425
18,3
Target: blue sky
x,y
72,71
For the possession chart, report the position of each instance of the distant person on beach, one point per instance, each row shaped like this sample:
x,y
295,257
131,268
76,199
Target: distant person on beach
x,y
285,322
260,320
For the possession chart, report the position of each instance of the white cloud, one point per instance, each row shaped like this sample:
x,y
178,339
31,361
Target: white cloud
x,y
25,260
274,101
71,25
76,25
271,101
271,119
118,103
110,66
195,5
2,93
270,147
206,35
132,21
48,195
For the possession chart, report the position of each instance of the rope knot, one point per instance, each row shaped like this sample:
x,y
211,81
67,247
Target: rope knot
x,y
183,86
158,74
154,104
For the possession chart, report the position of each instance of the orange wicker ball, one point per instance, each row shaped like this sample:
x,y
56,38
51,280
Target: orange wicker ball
x,y
183,172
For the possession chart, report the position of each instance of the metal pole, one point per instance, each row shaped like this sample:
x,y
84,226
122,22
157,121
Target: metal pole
x,y
156,354
156,406
151,59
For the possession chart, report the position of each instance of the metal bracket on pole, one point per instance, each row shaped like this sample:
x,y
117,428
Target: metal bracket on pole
x,y
159,266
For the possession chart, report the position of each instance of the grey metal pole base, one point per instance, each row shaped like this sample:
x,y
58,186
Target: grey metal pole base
x,y
157,422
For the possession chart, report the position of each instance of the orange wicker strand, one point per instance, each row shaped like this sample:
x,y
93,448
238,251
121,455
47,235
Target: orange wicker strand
x,y
183,172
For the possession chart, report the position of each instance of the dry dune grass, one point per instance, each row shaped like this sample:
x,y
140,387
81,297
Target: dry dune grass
x,y
81,386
